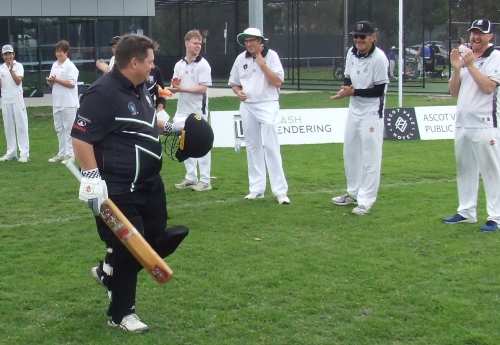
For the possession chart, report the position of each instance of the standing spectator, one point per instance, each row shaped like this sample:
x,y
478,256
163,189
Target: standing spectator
x,y
256,78
119,153
424,54
15,118
392,61
474,81
192,77
365,83
101,64
63,81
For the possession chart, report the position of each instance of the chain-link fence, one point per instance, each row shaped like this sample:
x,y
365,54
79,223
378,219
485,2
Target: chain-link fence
x,y
311,39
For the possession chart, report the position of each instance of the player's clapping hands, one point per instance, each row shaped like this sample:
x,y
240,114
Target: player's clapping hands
x,y
345,91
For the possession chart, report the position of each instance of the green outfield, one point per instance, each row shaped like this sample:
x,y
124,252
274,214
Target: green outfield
x,y
255,272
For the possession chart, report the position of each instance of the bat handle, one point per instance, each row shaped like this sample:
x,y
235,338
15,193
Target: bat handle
x,y
74,170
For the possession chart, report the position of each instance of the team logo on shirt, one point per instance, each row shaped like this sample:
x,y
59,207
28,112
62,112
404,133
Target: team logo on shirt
x,y
133,109
245,67
401,124
492,142
151,79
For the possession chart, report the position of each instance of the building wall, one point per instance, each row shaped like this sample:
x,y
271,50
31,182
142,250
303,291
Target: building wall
x,y
77,8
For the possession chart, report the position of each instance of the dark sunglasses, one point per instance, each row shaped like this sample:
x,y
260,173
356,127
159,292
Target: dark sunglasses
x,y
359,36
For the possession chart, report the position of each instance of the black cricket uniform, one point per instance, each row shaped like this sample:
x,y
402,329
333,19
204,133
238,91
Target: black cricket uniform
x,y
156,78
119,120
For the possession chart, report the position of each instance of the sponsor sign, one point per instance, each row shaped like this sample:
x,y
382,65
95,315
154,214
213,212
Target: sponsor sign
x,y
321,126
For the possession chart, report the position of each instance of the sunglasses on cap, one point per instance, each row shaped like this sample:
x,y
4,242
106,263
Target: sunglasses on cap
x,y
359,36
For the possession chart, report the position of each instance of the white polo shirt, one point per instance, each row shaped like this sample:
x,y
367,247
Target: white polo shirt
x,y
11,92
475,109
248,74
194,73
111,63
365,72
64,97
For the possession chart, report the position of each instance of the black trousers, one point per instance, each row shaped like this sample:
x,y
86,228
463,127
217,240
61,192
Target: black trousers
x,y
146,209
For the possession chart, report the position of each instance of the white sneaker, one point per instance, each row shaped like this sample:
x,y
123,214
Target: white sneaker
x,y
361,210
130,323
56,159
186,184
23,159
283,199
6,158
202,186
67,159
253,196
344,200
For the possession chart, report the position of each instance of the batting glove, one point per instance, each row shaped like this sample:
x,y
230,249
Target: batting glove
x,y
93,191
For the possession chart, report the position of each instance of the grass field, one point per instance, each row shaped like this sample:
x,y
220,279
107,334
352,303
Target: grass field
x,y
255,272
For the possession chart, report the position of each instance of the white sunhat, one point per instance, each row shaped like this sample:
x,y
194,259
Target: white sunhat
x,y
7,49
250,32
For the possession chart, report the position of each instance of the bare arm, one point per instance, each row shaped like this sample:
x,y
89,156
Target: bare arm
x,y
193,89
63,82
272,77
238,90
17,79
455,80
483,82
84,154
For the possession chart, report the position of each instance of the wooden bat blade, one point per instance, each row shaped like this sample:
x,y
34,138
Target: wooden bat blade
x,y
135,243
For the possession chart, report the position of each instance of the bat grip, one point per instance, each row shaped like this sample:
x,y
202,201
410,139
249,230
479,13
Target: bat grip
x,y
74,170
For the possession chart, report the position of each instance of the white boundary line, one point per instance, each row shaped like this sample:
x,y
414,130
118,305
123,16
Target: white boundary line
x,y
231,200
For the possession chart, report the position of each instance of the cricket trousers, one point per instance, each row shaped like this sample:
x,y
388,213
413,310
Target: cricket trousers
x,y
63,123
263,147
477,152
363,139
146,209
15,120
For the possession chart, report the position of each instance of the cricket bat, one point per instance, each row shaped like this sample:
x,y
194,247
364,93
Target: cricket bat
x,y
130,237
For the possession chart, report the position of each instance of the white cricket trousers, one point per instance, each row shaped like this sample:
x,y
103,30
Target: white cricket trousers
x,y
363,139
63,122
263,147
15,120
204,163
477,152
392,65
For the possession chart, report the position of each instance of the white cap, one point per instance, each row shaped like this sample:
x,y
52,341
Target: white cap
x,y
7,49
393,47
250,32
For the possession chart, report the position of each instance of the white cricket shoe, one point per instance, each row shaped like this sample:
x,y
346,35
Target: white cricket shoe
x,y
130,323
202,186
23,159
361,210
254,195
186,184
67,159
283,199
344,200
6,158
56,159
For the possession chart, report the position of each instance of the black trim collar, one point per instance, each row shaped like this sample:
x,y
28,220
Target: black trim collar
x,y
488,52
356,53
198,59
264,53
